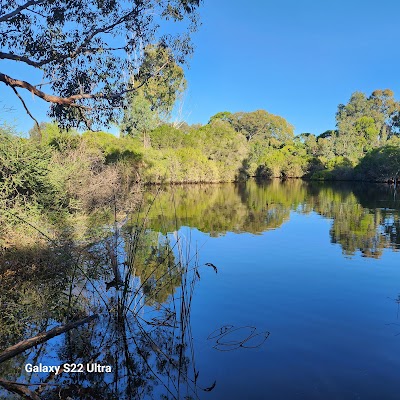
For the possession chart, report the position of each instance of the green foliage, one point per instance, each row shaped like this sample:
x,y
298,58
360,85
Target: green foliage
x,y
223,115
182,165
221,144
83,48
139,118
155,264
24,173
52,135
270,129
167,137
114,149
337,168
380,164
365,123
210,153
85,171
269,163
166,82
154,92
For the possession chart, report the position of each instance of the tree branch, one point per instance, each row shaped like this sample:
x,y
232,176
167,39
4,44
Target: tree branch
x,y
104,29
20,389
15,57
74,54
71,100
65,101
42,337
26,109
29,3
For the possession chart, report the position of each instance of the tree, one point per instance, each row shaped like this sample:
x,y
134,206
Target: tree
x,y
85,48
263,126
139,119
383,103
155,97
380,164
309,141
167,80
223,115
365,122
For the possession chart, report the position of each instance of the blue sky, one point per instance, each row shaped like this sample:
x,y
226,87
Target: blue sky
x,y
294,59
297,59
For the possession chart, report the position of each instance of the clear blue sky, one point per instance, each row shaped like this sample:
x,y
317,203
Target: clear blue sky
x,y
295,59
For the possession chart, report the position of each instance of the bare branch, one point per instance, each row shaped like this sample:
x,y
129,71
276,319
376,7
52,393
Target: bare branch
x,y
20,389
15,57
35,12
26,108
29,3
65,101
42,337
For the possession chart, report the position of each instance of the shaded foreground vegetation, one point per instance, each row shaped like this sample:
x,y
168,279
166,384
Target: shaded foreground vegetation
x,y
138,285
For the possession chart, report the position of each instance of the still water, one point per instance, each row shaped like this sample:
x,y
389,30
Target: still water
x,y
315,265
274,290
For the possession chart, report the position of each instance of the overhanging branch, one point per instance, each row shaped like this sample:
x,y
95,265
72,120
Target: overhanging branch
x,y
15,57
26,108
29,3
65,101
71,100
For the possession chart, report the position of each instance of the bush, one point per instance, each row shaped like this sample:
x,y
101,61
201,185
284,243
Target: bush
x,y
179,166
51,135
24,173
380,164
323,175
82,174
114,149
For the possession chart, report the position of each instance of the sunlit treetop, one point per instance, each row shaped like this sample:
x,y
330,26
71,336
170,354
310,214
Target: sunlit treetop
x,y
87,50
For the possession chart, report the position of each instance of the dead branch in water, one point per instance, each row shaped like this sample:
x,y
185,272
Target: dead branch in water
x,y
19,389
41,338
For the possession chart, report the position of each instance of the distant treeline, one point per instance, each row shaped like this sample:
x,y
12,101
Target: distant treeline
x,y
56,168
235,146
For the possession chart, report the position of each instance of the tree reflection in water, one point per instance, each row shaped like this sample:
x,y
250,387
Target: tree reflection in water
x,y
365,216
140,280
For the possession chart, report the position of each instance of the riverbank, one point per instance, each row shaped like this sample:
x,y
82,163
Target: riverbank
x,y
67,173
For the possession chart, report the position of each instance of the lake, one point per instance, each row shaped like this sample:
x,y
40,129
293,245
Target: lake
x,y
280,290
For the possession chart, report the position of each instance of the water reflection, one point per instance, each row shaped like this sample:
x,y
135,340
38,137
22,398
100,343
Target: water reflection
x,y
140,286
365,216
140,279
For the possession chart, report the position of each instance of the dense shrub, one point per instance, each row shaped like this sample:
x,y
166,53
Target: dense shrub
x,y
114,149
24,173
381,164
338,168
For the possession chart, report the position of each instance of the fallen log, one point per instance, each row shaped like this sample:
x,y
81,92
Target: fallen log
x,y
19,389
41,338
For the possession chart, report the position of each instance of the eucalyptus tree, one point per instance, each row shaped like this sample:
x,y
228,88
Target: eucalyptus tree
x,y
86,50
365,122
262,126
167,80
152,92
